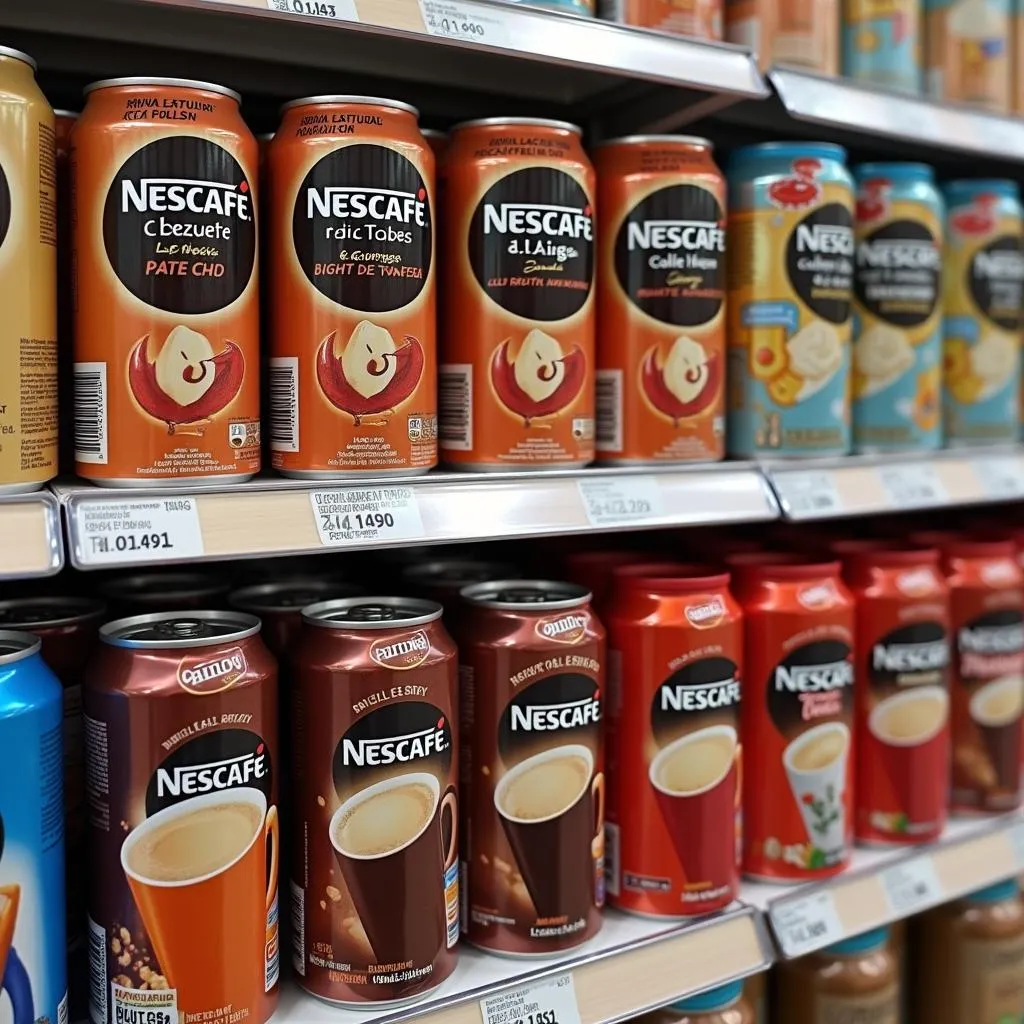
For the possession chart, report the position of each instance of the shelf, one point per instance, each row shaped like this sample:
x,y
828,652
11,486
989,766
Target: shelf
x,y
31,542
276,517
883,886
632,965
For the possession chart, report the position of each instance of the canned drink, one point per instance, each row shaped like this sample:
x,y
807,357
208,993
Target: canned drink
x,y
353,378
165,276
804,33
675,635
437,141
698,19
882,43
532,664
897,312
181,754
443,579
33,953
375,885
796,720
901,698
28,279
791,212
162,591
967,56
517,373
594,570
661,301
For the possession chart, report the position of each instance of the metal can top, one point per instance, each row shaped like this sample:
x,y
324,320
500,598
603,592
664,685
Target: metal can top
x,y
371,612
7,51
643,140
433,133
36,612
526,595
172,83
177,630
287,595
15,646
370,101
525,122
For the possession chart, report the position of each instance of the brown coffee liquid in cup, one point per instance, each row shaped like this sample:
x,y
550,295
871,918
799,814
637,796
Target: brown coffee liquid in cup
x,y
968,959
856,979
723,1005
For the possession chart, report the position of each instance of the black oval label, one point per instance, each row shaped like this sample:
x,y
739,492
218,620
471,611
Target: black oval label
x,y
819,261
995,279
813,682
179,225
911,655
670,255
991,645
5,206
702,692
531,243
362,229
898,273
564,708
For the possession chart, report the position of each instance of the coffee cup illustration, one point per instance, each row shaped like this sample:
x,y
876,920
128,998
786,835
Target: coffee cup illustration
x,y
198,874
551,806
815,764
696,780
996,710
395,841
912,730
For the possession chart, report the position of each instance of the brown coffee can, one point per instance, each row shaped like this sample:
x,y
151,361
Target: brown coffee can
x,y
353,364
375,863
516,382
181,762
174,591
165,273
532,657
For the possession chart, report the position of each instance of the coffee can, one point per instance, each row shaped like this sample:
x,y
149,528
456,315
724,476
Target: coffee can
x,y
375,865
184,841
532,668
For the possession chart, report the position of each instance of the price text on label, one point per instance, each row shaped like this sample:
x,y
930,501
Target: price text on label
x,y
1000,476
807,495
913,486
912,885
332,10
551,1001
140,530
624,500
805,924
366,514
463,21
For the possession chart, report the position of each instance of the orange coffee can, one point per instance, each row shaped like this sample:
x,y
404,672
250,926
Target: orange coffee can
x,y
166,285
437,141
353,380
660,301
517,348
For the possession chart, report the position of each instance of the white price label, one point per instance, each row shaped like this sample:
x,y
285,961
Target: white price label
x,y
913,486
551,1001
912,885
137,530
465,22
807,923
808,495
330,10
1000,476
366,514
630,499
1015,837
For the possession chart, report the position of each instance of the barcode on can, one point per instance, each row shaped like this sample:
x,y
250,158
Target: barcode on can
x,y
283,388
97,972
612,862
455,406
609,410
298,929
91,413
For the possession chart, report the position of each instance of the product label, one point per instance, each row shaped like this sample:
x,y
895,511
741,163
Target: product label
x,y
819,261
991,980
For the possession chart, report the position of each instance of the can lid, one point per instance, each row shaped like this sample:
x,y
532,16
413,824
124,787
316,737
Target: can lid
x,y
28,612
171,83
863,943
371,612
288,595
717,999
671,576
433,133
176,630
965,188
894,171
643,140
167,584
344,98
73,114
995,893
785,565
526,122
8,51
17,645
518,595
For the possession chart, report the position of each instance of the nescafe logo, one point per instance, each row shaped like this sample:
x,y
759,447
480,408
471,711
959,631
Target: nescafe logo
x,y
995,279
898,273
819,261
401,653
361,228
707,688
991,645
570,628
179,225
910,656
561,708
531,244
5,206
214,761
813,681
212,675
670,255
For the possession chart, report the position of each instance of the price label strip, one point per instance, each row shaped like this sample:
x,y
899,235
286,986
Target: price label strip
x,y
805,924
330,10
1015,837
137,530
913,486
911,886
550,1001
1000,476
365,514
611,501
808,495
464,22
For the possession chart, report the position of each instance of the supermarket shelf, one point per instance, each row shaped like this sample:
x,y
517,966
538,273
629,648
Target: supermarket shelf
x,y
883,886
31,540
277,517
631,966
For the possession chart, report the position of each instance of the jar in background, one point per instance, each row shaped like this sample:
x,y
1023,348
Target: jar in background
x,y
723,1005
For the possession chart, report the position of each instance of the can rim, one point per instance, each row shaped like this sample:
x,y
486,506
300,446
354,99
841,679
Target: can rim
x,y
317,614
535,122
90,608
674,577
638,140
433,133
368,101
61,112
260,597
26,644
10,51
176,83
475,592
113,632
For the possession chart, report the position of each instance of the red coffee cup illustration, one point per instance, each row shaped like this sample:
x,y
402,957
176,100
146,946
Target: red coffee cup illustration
x,y
816,766
996,709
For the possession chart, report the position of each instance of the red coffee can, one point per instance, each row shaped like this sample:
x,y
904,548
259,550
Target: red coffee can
x,y
675,639
594,568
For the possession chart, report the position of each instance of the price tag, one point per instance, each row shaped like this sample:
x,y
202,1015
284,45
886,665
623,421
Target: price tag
x,y
366,514
137,530
911,486
808,495
807,923
330,10
465,22
912,885
551,1001
629,499
1000,476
